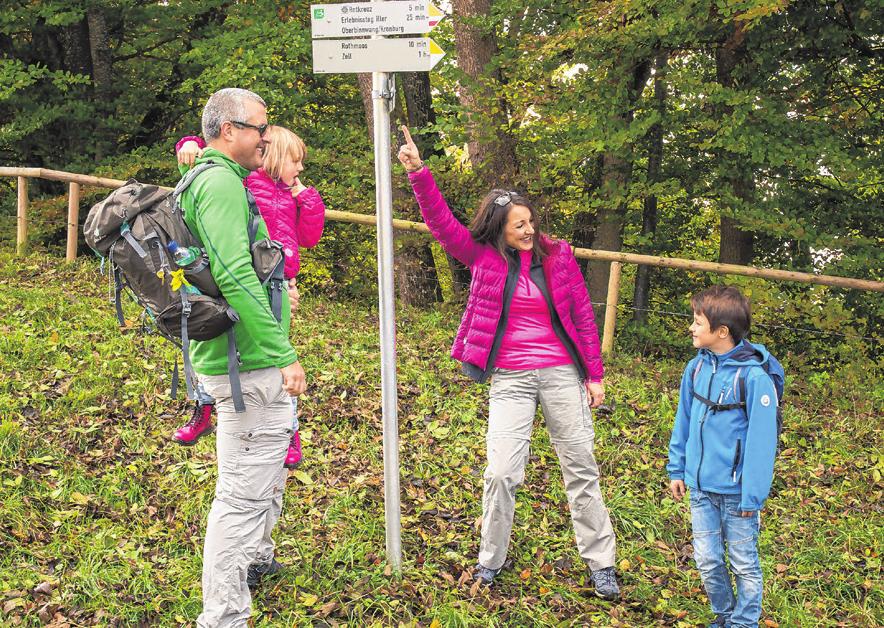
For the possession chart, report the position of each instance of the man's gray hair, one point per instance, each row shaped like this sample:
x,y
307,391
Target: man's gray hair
x,y
228,104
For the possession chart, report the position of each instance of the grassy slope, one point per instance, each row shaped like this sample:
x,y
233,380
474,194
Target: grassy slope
x,y
98,504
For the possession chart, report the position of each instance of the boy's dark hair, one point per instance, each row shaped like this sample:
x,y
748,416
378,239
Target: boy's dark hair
x,y
724,305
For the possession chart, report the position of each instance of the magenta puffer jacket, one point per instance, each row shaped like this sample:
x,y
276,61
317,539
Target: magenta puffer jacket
x,y
489,272
292,221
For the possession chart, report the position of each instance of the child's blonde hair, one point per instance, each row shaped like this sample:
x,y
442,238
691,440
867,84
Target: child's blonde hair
x,y
283,143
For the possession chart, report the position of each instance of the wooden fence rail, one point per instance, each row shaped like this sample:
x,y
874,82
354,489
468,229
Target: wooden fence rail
x,y
616,258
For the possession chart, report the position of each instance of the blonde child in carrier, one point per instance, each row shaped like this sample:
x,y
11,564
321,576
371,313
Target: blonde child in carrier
x,y
295,217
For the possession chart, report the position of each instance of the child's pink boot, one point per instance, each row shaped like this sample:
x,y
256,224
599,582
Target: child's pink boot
x,y
293,458
200,424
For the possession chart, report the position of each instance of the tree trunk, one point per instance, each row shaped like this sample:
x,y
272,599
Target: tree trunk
x,y
414,269
736,245
102,75
75,45
419,108
615,176
642,293
99,51
491,146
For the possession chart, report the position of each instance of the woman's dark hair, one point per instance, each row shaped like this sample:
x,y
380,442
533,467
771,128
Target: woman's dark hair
x,y
724,305
489,224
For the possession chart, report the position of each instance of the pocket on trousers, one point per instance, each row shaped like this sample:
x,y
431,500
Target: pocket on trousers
x,y
585,410
259,474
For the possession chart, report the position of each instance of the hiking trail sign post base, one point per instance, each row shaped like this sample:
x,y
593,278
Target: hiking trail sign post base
x,y
380,56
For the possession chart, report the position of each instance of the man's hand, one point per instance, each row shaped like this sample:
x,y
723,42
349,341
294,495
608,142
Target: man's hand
x,y
190,150
294,296
409,155
678,490
294,380
596,392
298,187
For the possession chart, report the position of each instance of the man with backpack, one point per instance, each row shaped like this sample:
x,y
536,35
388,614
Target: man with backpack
x,y
251,444
723,446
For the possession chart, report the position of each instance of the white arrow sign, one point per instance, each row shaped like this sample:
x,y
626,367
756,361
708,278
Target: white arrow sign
x,y
355,19
411,54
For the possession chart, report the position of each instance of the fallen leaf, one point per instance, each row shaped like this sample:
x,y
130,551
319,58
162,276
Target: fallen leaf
x,y
474,590
44,588
303,478
327,609
308,599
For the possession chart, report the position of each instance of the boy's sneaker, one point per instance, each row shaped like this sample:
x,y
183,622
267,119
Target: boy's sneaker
x,y
256,572
605,582
199,425
720,622
293,457
484,575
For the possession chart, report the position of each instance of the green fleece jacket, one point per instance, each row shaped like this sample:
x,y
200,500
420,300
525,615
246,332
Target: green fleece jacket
x,y
216,210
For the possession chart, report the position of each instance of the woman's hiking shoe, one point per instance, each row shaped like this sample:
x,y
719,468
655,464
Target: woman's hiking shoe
x,y
605,582
293,457
484,575
256,572
199,425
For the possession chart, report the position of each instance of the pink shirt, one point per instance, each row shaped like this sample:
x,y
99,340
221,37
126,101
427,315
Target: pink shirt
x,y
529,341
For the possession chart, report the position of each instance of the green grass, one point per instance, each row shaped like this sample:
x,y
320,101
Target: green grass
x,y
99,504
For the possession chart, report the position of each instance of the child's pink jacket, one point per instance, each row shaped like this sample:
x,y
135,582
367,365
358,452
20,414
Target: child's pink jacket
x,y
292,221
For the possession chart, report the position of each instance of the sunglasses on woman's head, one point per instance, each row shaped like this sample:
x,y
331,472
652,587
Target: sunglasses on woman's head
x,y
504,199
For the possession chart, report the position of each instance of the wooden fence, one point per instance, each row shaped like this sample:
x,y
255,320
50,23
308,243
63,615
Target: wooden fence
x,y
617,259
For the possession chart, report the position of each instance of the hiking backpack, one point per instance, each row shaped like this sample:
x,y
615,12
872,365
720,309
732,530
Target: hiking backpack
x,y
131,229
774,370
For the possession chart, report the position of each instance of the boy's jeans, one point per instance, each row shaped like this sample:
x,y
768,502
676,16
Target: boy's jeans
x,y
716,520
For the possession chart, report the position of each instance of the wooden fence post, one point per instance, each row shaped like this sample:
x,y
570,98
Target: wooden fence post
x,y
73,220
611,308
21,241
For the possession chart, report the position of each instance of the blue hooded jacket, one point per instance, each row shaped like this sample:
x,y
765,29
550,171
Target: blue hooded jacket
x,y
728,451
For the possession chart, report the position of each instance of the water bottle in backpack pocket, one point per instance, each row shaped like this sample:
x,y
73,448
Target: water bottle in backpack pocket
x,y
195,264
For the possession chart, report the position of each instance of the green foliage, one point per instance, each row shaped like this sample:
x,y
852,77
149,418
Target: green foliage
x,y
102,516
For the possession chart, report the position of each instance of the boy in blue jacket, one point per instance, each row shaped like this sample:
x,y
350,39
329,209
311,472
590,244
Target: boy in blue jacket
x,y
722,448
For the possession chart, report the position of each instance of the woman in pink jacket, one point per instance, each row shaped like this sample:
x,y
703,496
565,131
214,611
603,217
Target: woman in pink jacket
x,y
295,217
529,326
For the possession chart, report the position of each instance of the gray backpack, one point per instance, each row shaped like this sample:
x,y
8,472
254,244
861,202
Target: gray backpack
x,y
131,229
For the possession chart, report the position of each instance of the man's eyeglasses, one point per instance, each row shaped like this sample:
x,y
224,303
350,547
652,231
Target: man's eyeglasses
x,y
261,129
504,199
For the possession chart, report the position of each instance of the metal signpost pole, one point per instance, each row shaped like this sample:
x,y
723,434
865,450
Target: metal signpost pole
x,y
380,56
382,95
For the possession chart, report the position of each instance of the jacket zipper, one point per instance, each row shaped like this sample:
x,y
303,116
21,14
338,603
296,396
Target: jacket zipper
x,y
736,461
702,421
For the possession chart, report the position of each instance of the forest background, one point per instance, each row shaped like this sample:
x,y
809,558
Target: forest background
x,y
742,131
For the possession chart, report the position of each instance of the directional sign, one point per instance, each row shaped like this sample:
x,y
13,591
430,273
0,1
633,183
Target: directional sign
x,y
408,54
356,19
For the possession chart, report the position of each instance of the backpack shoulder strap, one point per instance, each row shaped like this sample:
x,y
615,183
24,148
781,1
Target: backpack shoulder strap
x,y
742,384
189,177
